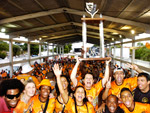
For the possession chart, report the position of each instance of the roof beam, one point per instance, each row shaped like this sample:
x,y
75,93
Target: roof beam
x,y
72,11
50,34
31,15
39,28
128,35
56,37
109,18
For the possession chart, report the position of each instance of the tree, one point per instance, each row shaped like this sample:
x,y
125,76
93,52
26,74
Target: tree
x,y
67,48
4,46
16,50
142,53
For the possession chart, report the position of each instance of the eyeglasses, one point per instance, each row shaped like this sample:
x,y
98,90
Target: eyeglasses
x,y
12,96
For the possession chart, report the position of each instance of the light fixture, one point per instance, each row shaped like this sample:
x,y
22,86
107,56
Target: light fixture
x,y
40,38
120,36
125,27
112,39
44,36
3,30
132,32
115,33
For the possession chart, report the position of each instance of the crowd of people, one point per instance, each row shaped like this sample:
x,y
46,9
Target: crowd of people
x,y
75,86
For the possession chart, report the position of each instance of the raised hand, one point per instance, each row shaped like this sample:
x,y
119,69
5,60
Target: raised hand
x,y
108,61
108,84
57,70
132,66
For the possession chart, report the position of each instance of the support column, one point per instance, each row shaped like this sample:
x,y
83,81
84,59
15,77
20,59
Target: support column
x,y
52,51
11,56
63,50
110,50
48,50
101,33
84,37
60,51
121,53
133,54
40,52
57,50
29,53
114,56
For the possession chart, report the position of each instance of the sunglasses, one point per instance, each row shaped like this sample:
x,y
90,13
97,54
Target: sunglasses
x,y
12,96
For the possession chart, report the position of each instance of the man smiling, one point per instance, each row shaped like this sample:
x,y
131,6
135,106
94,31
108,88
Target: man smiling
x,y
10,91
129,106
142,92
42,103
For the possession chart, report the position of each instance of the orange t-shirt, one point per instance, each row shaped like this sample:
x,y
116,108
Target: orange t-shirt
x,y
22,107
139,108
130,83
92,94
59,106
4,74
39,106
70,106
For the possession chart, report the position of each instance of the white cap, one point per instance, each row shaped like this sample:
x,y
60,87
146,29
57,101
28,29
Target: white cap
x,y
118,69
26,68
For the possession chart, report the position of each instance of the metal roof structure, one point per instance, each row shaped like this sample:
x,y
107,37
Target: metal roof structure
x,y
59,21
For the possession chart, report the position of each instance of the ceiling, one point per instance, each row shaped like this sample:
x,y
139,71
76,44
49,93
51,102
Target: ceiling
x,y
59,21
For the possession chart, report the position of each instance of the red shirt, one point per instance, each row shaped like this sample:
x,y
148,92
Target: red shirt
x,y
3,106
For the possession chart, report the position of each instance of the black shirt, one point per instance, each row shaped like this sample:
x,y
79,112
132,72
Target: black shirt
x,y
118,110
141,97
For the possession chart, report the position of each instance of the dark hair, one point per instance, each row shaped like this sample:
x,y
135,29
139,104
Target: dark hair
x,y
68,88
146,75
50,75
111,95
88,73
10,84
85,100
125,89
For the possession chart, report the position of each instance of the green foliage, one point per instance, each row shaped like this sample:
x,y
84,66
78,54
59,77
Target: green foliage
x,y
34,49
139,44
4,46
3,54
143,54
16,50
67,48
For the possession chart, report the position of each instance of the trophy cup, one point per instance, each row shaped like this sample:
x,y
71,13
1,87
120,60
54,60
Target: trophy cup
x,y
91,9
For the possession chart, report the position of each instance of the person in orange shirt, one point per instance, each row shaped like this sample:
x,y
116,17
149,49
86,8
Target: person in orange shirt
x,y
119,82
41,102
129,106
25,105
79,103
92,90
26,74
67,87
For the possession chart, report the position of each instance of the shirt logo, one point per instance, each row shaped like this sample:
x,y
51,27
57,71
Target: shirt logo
x,y
144,99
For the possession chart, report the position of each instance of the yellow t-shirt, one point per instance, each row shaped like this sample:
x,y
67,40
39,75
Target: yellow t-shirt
x,y
59,106
70,106
130,83
38,106
92,94
139,108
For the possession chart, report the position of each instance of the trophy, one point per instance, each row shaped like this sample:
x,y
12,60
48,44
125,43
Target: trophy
x,y
91,8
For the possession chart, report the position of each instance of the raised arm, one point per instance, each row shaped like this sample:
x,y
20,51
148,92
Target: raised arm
x,y
74,73
58,71
106,91
106,75
134,67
